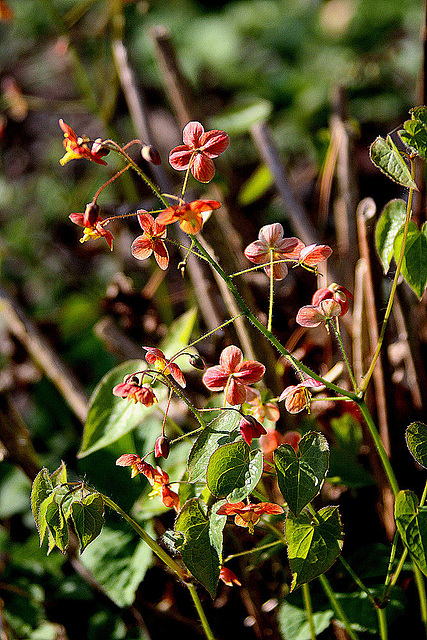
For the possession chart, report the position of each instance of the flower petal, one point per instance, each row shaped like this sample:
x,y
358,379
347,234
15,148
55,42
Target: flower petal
x,y
230,358
161,254
141,248
146,221
250,371
215,378
179,158
310,316
214,142
271,234
257,252
192,133
202,168
236,392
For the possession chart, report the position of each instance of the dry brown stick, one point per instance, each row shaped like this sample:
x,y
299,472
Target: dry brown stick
x,y
359,327
410,367
43,355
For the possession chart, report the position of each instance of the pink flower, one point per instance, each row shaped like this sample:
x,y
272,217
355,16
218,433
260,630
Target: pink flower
x,y
233,374
247,515
134,461
311,315
250,428
271,246
298,397
228,577
189,214
93,224
151,240
259,409
335,292
158,360
133,391
198,150
314,254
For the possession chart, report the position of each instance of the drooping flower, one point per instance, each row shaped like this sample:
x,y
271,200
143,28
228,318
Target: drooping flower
x,y
134,461
158,360
189,214
271,246
250,428
314,254
335,292
298,397
259,409
77,147
93,225
198,150
233,374
229,577
162,447
312,316
132,390
151,241
247,515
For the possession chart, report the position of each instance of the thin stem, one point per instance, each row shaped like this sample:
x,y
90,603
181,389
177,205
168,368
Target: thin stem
x,y
390,567
187,173
116,175
254,550
338,610
337,333
357,580
203,619
270,307
375,357
206,335
382,623
421,587
308,610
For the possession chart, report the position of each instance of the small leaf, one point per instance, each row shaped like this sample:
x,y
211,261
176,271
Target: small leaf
x,y
256,185
202,549
57,525
392,218
416,439
42,522
222,430
88,519
228,468
411,520
300,476
414,265
41,489
414,132
314,543
385,155
252,477
59,476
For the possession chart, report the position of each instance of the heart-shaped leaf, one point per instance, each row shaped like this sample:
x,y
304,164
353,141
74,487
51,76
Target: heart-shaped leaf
x,y
300,476
414,265
392,218
385,155
57,525
416,439
228,468
88,518
314,543
41,489
252,477
201,550
414,132
411,520
222,430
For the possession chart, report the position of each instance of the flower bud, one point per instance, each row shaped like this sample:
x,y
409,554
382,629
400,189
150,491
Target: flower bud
x,y
91,214
98,147
162,447
197,362
150,154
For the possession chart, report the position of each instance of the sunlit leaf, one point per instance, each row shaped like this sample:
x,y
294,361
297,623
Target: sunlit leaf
x,y
88,518
411,520
416,439
414,265
57,525
256,185
392,218
385,155
222,430
228,468
252,477
414,132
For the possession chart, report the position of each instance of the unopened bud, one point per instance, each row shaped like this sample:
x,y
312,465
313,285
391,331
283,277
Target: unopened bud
x,y
98,147
150,154
91,214
162,447
197,362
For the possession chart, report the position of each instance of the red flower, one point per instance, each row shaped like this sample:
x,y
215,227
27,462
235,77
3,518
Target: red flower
x,y
228,577
311,315
162,447
247,515
77,147
189,214
298,397
93,224
158,479
198,150
314,254
250,428
151,240
134,461
271,245
335,292
158,360
233,374
259,409
136,392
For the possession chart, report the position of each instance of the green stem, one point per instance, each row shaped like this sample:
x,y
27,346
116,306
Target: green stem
x,y
356,579
421,587
270,306
375,357
308,610
206,335
170,562
382,623
336,607
254,550
337,333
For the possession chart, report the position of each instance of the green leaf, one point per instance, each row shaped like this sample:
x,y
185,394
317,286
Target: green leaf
x,y
252,477
392,217
414,132
256,185
411,520
314,543
295,625
228,468
300,476
118,559
88,519
416,439
414,265
57,525
41,489
59,476
222,430
385,155
201,550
